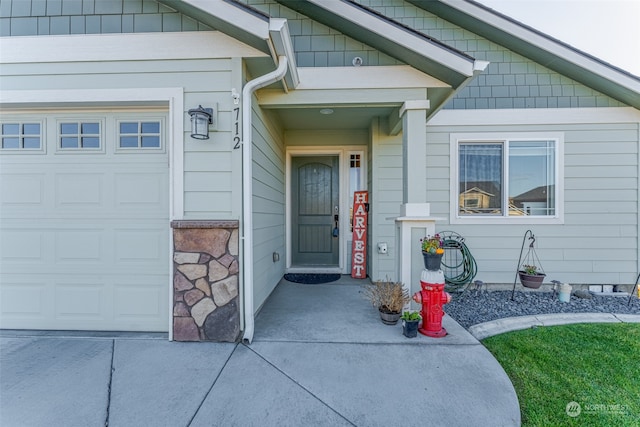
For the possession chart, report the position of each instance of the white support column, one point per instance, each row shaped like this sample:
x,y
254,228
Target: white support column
x,y
413,224
414,151
414,221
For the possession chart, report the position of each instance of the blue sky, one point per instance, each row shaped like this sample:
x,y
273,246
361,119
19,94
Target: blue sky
x,y
607,29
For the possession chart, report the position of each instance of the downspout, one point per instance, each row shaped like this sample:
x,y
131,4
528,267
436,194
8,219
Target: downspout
x,y
247,189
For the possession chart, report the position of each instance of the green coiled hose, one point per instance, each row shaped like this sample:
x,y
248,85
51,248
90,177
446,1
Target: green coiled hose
x,y
459,267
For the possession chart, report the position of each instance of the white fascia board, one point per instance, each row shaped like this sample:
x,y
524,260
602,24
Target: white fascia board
x,y
283,46
534,116
518,31
382,77
234,15
123,47
458,63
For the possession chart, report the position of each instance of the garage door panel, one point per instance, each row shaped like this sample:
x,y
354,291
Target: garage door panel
x,y
22,246
23,300
80,190
80,246
140,246
22,190
139,191
79,302
84,235
139,302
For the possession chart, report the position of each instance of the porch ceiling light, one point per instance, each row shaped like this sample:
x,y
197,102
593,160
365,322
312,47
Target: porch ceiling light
x,y
326,111
201,118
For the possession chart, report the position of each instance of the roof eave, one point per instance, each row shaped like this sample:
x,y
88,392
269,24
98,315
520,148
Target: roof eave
x,y
432,58
268,35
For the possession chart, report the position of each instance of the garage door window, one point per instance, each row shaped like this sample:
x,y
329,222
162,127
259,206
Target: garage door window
x,y
21,136
80,135
139,134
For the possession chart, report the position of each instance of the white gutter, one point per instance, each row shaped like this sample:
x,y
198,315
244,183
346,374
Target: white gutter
x,y
247,190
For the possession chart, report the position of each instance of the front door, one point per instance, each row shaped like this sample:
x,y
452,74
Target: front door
x,y
314,211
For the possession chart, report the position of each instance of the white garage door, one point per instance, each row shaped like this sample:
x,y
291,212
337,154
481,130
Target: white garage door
x,y
84,221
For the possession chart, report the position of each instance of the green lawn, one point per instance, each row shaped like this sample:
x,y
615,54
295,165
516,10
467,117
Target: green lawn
x,y
595,365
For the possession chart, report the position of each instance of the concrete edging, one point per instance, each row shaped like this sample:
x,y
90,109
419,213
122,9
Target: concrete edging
x,y
509,324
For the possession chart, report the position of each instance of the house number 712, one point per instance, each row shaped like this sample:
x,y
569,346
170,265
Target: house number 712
x,y
236,134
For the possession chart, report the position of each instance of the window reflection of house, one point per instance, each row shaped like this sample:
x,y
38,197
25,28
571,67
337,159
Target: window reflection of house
x,y
538,201
475,199
479,197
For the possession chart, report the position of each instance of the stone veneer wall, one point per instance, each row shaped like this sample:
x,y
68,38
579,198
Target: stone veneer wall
x,y
205,281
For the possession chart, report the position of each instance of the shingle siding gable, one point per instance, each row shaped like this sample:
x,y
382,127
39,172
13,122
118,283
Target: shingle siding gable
x,y
57,17
510,81
317,45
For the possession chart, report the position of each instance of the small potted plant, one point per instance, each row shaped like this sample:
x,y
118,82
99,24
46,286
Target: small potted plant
x,y
410,321
530,277
389,298
432,251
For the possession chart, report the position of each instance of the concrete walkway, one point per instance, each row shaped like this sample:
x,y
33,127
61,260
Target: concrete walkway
x,y
509,324
320,357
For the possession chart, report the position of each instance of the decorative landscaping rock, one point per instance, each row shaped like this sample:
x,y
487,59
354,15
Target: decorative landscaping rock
x,y
205,282
582,293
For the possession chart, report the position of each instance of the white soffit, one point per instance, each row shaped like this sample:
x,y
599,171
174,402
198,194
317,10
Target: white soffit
x,y
121,47
382,77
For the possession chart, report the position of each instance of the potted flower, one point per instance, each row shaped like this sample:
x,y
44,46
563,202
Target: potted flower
x,y
530,277
432,251
389,298
410,321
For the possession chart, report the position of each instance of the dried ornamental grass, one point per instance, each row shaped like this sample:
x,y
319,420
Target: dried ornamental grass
x,y
387,296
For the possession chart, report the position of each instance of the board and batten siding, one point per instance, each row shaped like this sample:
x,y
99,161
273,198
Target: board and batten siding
x,y
598,241
268,205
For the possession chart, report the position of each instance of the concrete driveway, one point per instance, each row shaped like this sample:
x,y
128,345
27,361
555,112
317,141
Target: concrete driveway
x,y
320,357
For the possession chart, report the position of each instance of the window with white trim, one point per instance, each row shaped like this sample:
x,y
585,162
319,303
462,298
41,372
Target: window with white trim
x,y
507,178
139,134
79,135
21,136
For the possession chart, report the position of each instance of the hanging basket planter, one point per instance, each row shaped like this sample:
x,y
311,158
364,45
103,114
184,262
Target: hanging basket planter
x,y
529,269
533,281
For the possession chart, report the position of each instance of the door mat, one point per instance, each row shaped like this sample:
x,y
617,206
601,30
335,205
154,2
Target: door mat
x,y
311,279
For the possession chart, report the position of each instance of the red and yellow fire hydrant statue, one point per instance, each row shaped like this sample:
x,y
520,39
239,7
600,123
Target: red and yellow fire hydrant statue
x,y
432,297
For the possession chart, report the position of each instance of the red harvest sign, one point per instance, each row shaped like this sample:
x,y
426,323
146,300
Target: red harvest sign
x,y
359,244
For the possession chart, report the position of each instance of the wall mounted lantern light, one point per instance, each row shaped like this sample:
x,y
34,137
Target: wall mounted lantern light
x,y
201,118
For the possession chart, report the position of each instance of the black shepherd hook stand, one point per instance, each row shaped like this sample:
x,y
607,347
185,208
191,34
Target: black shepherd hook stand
x,y
524,238
633,291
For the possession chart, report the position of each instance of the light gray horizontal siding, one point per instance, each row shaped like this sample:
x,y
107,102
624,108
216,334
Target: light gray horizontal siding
x,y
598,242
268,205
